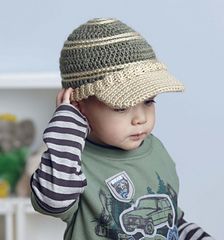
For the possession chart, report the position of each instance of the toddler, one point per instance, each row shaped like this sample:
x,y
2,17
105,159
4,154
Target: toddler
x,y
104,173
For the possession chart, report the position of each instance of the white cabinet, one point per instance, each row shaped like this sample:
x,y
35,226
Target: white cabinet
x,y
49,80
28,95
21,222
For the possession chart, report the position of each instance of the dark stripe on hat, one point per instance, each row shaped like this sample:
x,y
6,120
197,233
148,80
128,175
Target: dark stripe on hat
x,y
85,31
73,83
98,57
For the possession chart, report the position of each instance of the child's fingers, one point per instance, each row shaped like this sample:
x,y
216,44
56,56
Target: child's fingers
x,y
64,96
59,98
67,95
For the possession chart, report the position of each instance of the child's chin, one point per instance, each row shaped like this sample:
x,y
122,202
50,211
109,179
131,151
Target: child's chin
x,y
132,146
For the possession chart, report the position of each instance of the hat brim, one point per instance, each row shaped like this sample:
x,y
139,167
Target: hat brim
x,y
127,90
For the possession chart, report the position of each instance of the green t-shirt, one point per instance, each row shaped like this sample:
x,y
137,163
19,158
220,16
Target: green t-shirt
x,y
129,195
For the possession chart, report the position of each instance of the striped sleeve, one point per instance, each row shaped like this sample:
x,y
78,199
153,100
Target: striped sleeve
x,y
59,180
191,231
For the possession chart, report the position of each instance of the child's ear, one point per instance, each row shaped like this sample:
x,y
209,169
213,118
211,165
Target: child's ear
x,y
80,105
75,103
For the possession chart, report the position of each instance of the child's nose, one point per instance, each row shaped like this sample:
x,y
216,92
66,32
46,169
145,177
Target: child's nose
x,y
139,115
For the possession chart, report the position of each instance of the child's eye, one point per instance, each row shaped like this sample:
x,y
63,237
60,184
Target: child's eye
x,y
149,102
120,109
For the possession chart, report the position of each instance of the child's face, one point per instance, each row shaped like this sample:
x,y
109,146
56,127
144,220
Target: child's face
x,y
125,129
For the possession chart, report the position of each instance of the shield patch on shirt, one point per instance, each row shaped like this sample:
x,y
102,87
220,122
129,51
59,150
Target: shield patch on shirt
x,y
121,187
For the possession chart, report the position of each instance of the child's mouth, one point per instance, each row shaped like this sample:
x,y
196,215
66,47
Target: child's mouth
x,y
138,136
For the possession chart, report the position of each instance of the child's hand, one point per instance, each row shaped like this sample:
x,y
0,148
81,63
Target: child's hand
x,y
64,96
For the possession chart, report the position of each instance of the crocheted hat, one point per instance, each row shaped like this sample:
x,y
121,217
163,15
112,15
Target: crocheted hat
x,y
108,59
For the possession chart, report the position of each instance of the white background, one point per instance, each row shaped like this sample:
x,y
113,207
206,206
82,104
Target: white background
x,y
187,35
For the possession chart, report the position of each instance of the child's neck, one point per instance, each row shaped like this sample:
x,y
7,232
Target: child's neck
x,y
89,139
104,145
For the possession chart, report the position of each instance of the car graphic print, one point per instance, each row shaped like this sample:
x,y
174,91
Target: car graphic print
x,y
149,213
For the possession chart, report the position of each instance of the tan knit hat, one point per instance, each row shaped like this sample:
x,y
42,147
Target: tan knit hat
x,y
108,59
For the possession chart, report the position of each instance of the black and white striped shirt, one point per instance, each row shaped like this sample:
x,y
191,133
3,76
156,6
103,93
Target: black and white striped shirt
x,y
59,180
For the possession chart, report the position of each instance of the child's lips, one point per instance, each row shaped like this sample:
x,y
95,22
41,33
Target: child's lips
x,y
138,136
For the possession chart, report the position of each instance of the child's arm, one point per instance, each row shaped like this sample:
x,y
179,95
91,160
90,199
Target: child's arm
x,y
59,181
191,231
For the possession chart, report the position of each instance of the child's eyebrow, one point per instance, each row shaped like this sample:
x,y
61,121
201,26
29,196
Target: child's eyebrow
x,y
151,98
120,109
